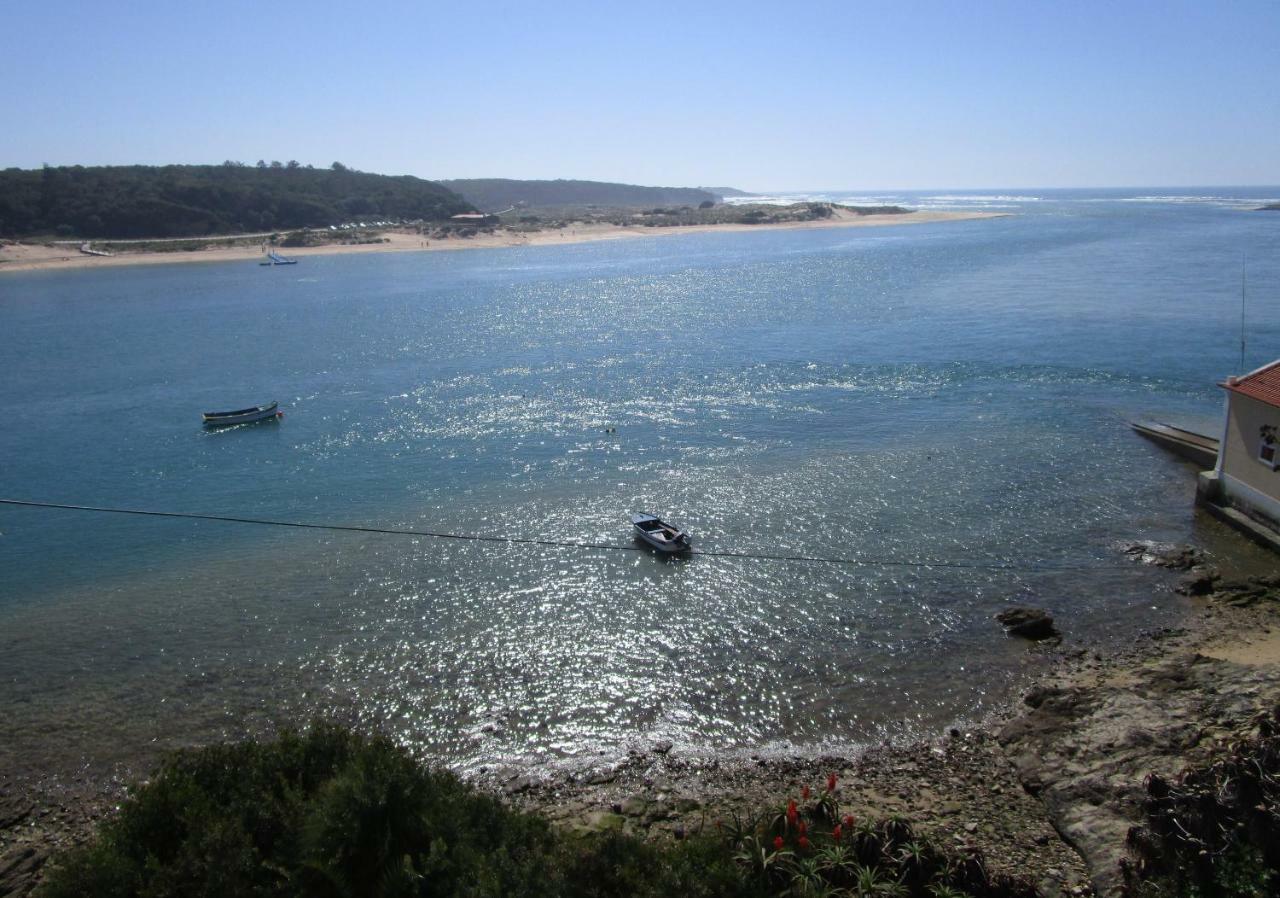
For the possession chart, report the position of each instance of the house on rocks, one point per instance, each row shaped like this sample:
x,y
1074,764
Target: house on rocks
x,y
1244,486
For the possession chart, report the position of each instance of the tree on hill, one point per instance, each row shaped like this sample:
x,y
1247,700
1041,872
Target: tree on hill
x,y
498,193
120,202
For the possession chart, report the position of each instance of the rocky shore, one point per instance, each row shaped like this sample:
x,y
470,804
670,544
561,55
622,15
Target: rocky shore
x,y
1048,789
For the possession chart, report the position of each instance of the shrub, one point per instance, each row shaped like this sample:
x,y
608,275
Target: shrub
x,y
1214,829
334,814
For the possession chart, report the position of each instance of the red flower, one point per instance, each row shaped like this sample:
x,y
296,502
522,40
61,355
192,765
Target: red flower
x,y
792,813
837,833
802,827
804,795
803,843
777,843
848,821
831,782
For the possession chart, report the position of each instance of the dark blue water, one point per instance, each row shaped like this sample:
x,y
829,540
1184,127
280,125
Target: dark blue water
x,y
914,397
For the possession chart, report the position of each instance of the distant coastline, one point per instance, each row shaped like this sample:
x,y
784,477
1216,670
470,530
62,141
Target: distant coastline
x,y
51,257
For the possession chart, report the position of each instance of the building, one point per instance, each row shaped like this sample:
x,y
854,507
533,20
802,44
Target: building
x,y
1246,478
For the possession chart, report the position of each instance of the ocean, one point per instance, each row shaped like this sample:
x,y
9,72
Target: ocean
x,y
940,407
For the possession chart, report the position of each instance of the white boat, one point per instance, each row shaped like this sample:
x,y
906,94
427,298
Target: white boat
x,y
242,415
662,536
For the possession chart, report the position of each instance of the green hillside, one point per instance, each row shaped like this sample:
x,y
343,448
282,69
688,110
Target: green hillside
x,y
497,194
135,201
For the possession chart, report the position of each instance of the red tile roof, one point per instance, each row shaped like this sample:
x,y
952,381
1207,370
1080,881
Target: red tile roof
x,y
1263,384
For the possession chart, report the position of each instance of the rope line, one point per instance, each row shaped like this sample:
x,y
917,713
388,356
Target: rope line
x,y
529,541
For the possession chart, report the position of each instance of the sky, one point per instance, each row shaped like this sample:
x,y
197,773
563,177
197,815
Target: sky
x,y
760,96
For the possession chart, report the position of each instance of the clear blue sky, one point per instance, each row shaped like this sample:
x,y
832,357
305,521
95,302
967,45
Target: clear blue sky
x,y
756,95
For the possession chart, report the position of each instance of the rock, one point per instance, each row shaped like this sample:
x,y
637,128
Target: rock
x,y
1029,623
603,821
662,747
1174,557
18,868
518,785
1198,581
634,807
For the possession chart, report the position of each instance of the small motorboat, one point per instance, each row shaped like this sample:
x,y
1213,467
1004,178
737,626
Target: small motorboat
x,y
662,536
242,415
274,258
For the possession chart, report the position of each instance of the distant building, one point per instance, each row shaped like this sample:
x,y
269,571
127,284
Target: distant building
x,y
1246,477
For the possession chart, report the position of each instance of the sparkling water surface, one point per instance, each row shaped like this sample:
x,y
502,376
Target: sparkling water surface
x,y
945,403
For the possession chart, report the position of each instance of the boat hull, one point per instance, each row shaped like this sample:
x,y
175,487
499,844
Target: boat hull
x,y
657,534
241,416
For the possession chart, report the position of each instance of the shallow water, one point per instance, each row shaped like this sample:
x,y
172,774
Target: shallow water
x,y
912,398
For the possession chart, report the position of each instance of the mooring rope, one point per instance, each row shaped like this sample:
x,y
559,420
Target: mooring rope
x,y
530,541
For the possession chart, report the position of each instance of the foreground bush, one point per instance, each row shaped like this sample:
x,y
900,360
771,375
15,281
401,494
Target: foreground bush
x,y
332,814
1214,830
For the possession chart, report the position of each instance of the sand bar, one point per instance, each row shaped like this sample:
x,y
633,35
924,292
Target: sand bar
x,y
42,257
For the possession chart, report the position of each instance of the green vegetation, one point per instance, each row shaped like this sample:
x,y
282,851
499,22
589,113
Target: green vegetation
x,y
202,200
1214,830
333,814
495,194
555,218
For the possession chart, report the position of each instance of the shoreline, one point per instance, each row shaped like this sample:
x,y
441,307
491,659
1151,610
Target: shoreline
x,y
40,257
1048,785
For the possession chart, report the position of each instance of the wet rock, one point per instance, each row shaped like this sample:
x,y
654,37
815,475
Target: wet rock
x,y
662,747
1199,581
1177,557
1029,623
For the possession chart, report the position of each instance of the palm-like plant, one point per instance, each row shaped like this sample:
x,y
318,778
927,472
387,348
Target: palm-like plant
x,y
942,890
806,875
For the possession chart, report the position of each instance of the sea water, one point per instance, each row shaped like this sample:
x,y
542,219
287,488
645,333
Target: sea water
x,y
939,407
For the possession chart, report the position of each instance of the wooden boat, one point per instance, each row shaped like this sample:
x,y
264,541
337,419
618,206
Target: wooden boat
x,y
662,536
1197,447
242,415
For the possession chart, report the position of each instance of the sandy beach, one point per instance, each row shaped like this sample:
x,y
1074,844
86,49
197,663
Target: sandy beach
x,y
41,257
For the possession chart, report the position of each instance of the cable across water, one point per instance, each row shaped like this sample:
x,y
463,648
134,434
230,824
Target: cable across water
x,y
530,541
